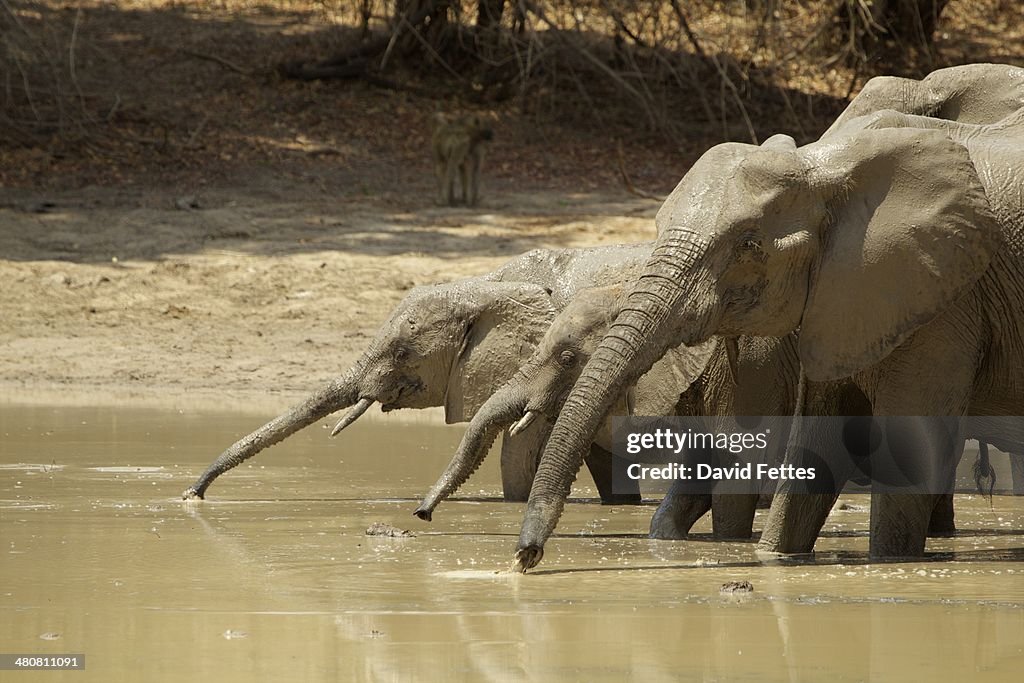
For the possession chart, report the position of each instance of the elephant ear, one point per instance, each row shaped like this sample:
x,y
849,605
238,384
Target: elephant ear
x,y
507,321
911,231
671,376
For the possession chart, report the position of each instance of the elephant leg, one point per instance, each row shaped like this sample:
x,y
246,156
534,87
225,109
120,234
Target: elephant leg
x,y
1017,473
899,523
678,512
942,523
609,473
905,498
519,457
794,521
732,515
796,516
931,378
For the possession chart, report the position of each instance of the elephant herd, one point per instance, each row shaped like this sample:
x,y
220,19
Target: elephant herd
x,y
876,271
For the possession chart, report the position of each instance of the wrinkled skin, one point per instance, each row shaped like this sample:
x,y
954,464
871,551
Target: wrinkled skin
x,y
898,253
972,93
453,345
685,381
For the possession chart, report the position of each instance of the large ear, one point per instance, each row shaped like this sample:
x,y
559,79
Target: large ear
x,y
911,230
672,375
508,320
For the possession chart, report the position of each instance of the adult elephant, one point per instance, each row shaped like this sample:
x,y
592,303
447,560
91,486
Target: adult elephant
x,y
755,377
453,345
898,253
970,93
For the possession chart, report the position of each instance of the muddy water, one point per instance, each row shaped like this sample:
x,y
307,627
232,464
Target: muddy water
x,y
273,579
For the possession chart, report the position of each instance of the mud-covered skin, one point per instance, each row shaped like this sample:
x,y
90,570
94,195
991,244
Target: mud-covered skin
x,y
451,345
698,381
898,253
971,93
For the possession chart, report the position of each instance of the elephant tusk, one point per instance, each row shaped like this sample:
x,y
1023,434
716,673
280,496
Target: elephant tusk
x,y
525,421
353,415
732,352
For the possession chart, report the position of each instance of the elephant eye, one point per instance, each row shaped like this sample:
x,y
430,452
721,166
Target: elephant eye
x,y
567,357
750,244
401,353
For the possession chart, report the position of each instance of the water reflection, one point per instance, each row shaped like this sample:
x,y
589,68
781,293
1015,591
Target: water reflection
x,y
273,578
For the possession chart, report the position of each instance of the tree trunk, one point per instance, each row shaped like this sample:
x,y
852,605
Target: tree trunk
x,y
866,27
489,13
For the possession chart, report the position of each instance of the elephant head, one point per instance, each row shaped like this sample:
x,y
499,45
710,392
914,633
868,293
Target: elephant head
x,y
857,240
449,345
541,385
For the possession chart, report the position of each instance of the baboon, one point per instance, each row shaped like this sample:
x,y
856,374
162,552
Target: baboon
x,y
458,146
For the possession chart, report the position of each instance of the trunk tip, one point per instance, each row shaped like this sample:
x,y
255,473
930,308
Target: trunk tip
x,y
192,493
424,513
527,558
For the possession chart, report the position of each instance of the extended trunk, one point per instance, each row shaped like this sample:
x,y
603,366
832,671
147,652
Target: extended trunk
x,y
498,412
637,338
335,396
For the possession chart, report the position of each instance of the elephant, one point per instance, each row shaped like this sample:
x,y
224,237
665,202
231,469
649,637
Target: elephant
x,y
970,93
895,247
695,381
453,345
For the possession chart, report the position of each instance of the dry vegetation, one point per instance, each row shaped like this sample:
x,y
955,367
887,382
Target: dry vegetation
x,y
183,206
143,90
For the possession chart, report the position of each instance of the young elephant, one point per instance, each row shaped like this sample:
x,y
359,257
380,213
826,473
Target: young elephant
x,y
754,377
453,345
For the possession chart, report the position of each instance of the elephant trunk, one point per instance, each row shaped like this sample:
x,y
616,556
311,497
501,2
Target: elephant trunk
x,y
646,327
497,413
337,395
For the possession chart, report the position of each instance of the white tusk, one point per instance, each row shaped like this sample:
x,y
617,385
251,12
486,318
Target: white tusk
x,y
353,415
525,421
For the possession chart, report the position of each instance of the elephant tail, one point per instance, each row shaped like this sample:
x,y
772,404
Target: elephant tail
x,y
983,471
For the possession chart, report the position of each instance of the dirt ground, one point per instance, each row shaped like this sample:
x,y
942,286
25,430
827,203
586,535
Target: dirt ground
x,y
221,233
259,294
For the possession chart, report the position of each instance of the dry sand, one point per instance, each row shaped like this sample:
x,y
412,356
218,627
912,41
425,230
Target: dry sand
x,y
251,299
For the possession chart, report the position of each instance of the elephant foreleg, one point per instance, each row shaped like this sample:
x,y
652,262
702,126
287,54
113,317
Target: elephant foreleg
x,y
732,515
678,512
609,473
899,523
942,522
796,516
